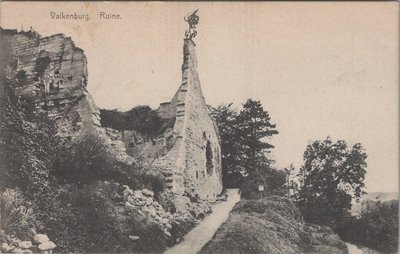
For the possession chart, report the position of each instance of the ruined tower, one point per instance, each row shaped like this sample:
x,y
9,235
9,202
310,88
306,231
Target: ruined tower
x,y
188,153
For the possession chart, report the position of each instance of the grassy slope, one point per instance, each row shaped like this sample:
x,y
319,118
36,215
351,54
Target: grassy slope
x,y
271,225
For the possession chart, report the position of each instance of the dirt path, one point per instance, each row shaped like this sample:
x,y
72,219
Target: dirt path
x,y
202,233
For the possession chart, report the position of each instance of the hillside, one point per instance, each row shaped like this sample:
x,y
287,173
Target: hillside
x,y
271,225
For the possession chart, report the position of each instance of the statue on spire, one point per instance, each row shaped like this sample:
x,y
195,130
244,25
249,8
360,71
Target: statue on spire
x,y
192,20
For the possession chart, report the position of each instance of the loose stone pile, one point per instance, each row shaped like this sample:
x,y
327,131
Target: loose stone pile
x,y
143,203
40,243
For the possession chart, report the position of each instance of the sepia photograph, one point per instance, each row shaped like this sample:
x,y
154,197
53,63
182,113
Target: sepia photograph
x,y
199,127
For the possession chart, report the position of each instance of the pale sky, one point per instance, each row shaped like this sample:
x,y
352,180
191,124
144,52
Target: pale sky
x,y
318,68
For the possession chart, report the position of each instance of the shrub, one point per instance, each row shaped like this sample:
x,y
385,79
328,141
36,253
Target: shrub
x,y
152,181
15,212
86,160
25,146
21,77
377,227
140,118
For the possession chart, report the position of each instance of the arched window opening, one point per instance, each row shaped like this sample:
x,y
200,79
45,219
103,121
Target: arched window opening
x,y
209,158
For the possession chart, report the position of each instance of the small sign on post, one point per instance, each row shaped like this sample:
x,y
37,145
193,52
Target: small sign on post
x,y
261,189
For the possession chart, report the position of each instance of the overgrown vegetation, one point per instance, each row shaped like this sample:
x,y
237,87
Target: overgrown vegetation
x,y
333,173
70,190
16,213
331,177
140,118
376,227
271,225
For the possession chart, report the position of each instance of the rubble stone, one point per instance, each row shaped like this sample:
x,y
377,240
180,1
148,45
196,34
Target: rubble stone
x,y
47,246
25,244
134,237
40,238
147,193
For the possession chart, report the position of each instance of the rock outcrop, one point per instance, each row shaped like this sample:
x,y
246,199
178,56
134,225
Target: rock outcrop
x,y
49,75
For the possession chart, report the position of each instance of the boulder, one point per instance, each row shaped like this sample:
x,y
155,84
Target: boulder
x,y
139,202
47,246
181,203
15,241
134,237
127,191
150,211
147,193
18,250
138,194
164,215
157,218
149,201
6,247
40,238
167,233
25,244
129,206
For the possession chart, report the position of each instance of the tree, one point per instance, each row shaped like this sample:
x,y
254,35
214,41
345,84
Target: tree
x,y
243,142
331,176
225,118
253,127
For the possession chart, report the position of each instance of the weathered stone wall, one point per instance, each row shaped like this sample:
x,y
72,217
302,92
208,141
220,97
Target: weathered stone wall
x,y
193,164
50,75
147,148
168,109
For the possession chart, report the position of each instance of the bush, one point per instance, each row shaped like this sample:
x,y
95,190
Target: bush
x,y
16,214
92,218
142,119
25,146
153,181
87,159
377,227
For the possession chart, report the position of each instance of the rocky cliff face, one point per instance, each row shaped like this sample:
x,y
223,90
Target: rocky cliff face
x,y
49,75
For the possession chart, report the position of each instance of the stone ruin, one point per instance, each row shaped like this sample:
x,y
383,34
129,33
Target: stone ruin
x,y
188,153
51,74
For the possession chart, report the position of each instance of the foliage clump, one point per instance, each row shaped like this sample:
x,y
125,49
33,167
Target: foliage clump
x,y
333,173
71,190
245,149
376,227
16,213
142,119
